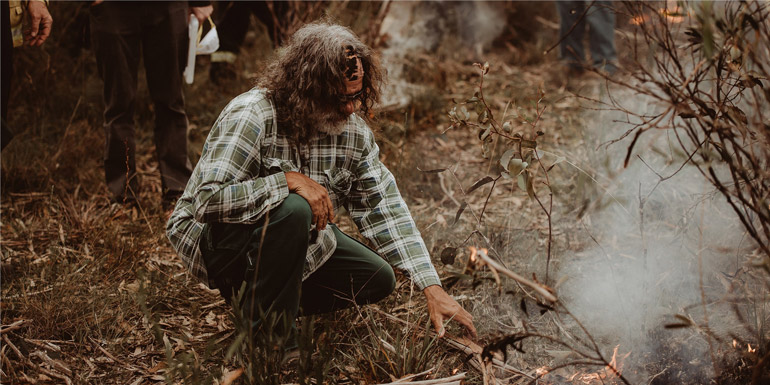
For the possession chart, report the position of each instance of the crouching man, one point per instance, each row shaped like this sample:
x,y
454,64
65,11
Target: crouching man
x,y
258,211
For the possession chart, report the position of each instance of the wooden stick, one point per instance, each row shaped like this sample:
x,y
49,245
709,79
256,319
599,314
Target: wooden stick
x,y
456,379
540,289
14,326
409,377
28,362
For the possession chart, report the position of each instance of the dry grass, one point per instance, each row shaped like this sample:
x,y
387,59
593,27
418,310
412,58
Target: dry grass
x,y
100,297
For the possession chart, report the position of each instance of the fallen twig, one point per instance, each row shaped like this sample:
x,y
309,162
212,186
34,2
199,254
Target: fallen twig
x,y
28,362
496,267
452,380
14,326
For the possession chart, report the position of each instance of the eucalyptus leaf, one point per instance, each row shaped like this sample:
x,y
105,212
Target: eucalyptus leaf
x,y
465,113
460,212
530,181
516,166
507,127
480,183
433,171
506,158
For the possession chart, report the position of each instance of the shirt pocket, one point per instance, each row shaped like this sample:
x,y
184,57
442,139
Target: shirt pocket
x,y
340,181
272,166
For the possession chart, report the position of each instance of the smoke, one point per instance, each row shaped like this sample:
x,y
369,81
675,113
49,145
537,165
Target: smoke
x,y
415,29
656,246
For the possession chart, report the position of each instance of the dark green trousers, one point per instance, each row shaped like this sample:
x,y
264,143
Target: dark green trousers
x,y
269,258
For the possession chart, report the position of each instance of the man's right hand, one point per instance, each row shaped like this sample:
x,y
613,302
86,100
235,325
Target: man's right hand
x,y
40,22
315,195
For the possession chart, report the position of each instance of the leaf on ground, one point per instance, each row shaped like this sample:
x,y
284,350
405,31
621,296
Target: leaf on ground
x,y
460,212
480,183
433,171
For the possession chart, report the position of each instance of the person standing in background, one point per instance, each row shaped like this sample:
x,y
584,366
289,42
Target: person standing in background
x,y
599,18
157,32
232,27
39,27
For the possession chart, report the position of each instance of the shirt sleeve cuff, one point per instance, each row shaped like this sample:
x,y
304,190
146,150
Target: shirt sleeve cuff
x,y
426,278
277,182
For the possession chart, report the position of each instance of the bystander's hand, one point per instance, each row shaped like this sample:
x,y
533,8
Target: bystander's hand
x,y
202,13
40,22
441,307
315,195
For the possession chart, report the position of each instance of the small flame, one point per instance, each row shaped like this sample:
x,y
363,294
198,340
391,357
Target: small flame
x,y
613,370
637,20
541,371
751,350
735,343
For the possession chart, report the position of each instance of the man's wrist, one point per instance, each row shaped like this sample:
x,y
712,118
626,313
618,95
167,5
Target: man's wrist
x,y
36,1
431,289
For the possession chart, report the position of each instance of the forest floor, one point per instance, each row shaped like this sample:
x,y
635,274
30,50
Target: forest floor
x,y
93,292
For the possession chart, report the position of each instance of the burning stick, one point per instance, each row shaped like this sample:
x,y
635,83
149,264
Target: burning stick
x,y
480,257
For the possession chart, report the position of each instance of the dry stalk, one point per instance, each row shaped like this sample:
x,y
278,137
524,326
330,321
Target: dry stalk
x,y
14,326
451,380
28,362
544,291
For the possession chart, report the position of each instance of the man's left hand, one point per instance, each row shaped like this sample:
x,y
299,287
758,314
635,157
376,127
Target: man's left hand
x,y
40,22
441,306
202,13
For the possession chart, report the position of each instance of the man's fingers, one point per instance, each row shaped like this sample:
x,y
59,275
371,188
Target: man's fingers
x,y
438,323
34,24
46,29
466,319
331,208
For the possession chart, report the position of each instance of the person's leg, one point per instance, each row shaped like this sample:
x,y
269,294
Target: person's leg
x,y
117,51
165,44
232,27
353,273
7,58
270,265
601,23
572,27
262,11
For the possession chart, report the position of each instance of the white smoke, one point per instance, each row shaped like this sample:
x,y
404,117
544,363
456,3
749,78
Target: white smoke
x,y
655,245
419,28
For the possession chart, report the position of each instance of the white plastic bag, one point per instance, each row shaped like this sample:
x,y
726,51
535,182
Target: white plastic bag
x,y
208,45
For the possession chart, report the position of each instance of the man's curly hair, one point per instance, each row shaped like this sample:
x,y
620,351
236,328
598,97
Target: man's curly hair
x,y
306,79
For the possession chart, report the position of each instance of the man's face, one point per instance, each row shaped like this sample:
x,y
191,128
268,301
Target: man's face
x,y
351,101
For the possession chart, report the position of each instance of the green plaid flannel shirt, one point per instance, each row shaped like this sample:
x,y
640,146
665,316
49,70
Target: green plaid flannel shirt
x,y
240,176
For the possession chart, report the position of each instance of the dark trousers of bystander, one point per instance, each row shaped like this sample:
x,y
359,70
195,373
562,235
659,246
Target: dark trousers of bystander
x,y
7,71
271,266
600,22
122,33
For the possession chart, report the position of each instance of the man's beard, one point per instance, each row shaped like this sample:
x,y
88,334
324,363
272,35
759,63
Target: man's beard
x,y
332,123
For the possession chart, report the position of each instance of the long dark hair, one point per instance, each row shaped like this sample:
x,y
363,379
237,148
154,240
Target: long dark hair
x,y
306,78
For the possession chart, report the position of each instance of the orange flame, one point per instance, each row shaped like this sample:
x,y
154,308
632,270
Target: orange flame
x,y
609,372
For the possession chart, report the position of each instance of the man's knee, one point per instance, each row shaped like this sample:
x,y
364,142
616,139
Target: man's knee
x,y
295,211
381,283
